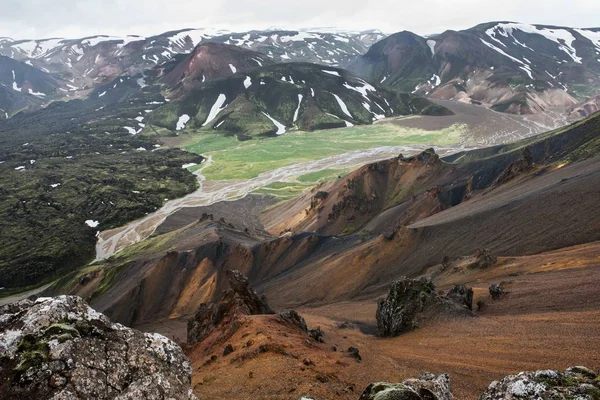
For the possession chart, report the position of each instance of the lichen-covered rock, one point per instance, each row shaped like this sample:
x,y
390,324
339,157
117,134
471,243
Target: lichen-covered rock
x,y
60,348
576,383
427,387
241,299
409,302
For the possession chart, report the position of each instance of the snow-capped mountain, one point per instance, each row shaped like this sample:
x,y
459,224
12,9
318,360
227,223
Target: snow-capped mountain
x,y
512,67
91,61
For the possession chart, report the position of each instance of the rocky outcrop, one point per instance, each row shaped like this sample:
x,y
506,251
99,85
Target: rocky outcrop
x,y
60,348
427,387
409,302
575,383
426,157
496,291
483,259
461,294
241,299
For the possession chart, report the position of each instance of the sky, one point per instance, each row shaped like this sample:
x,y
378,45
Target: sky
x,y
36,19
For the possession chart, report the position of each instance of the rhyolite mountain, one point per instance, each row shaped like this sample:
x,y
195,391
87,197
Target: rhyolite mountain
x,y
269,100
91,61
511,67
209,61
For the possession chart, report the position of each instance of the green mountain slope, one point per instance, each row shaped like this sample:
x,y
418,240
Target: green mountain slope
x,y
271,100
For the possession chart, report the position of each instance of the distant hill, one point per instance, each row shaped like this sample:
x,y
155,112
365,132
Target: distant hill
x,y
272,99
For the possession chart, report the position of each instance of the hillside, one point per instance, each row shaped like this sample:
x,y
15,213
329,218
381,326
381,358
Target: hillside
x,y
210,61
72,168
511,67
269,100
25,87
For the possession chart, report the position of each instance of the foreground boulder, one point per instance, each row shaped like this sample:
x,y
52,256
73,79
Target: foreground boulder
x,y
241,299
427,387
575,383
60,348
409,302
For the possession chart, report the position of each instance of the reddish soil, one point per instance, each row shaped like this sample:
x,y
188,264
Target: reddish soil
x,y
550,318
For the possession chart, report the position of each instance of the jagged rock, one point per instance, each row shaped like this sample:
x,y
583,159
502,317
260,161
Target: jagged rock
x,y
496,291
483,259
228,350
318,198
60,348
408,303
577,383
427,387
317,334
426,157
462,295
354,353
239,300
293,318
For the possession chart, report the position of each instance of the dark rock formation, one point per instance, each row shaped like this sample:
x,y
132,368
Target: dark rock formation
x,y
354,353
317,334
496,291
409,302
426,157
60,348
462,295
239,300
228,350
293,318
318,198
574,383
483,259
427,387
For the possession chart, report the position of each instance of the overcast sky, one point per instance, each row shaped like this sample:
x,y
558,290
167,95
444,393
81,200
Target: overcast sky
x,y
35,19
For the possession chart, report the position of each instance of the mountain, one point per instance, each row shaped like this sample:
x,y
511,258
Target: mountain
x,y
25,87
91,61
512,67
272,99
210,61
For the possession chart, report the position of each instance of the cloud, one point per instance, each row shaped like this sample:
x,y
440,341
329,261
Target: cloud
x,y
77,18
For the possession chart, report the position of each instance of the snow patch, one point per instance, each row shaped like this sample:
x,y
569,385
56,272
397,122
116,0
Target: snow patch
x,y
335,73
342,105
182,121
298,108
216,108
279,125
188,165
431,44
92,223
233,68
247,82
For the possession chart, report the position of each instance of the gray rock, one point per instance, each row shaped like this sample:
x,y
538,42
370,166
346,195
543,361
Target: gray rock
x,y
577,383
60,348
496,291
427,387
462,295
409,303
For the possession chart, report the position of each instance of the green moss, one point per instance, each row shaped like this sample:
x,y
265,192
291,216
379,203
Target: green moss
x,y
31,352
